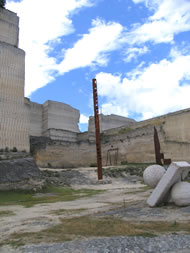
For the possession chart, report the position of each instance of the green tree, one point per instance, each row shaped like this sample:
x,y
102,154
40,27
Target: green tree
x,y
2,3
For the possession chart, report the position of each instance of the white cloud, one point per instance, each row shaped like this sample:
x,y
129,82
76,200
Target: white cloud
x,y
170,17
93,47
42,22
134,52
114,108
83,119
154,90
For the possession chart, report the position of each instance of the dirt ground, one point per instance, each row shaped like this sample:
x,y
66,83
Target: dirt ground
x,y
122,198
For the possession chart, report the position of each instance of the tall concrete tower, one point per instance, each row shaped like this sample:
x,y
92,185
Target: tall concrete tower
x,y
14,123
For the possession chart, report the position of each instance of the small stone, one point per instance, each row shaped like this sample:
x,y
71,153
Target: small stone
x,y
152,175
180,194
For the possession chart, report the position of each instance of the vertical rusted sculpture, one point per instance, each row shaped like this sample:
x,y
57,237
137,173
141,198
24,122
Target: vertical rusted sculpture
x,y
159,156
97,129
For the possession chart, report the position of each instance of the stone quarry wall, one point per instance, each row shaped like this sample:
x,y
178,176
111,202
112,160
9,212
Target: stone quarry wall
x,y
35,115
129,144
14,125
9,30
52,119
62,154
109,121
60,116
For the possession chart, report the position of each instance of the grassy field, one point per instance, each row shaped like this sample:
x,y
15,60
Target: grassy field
x,y
49,195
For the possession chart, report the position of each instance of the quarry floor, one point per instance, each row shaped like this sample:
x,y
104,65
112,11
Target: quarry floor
x,y
122,198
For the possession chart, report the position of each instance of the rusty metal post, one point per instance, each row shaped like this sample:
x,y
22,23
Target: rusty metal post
x,y
97,129
158,155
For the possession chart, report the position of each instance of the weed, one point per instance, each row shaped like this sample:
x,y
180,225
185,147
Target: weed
x,y
6,213
6,149
14,149
125,130
88,226
49,165
93,165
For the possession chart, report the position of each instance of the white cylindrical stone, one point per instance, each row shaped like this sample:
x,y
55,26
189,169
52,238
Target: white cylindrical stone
x,y
180,194
152,175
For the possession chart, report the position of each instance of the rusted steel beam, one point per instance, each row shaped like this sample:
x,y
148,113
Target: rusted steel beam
x,y
159,157
97,129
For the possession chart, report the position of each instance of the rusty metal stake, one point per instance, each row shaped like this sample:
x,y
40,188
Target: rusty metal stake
x,y
158,155
97,129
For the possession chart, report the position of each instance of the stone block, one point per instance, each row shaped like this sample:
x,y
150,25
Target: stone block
x,y
176,172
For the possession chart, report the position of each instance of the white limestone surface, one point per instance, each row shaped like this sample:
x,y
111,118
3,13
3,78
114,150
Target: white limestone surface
x,y
9,27
35,115
176,172
14,125
152,175
59,116
109,122
180,194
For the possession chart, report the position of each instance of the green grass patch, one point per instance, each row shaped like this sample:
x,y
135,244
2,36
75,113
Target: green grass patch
x,y
125,130
87,226
49,195
6,213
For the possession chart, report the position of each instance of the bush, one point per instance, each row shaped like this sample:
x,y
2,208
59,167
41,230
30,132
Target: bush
x,y
14,149
6,149
49,165
2,3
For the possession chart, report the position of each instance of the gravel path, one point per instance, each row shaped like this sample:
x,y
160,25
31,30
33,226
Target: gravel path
x,y
133,244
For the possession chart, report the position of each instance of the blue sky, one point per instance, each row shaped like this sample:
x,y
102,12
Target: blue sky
x,y
138,50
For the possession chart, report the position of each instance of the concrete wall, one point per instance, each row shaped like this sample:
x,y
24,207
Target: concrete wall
x,y
109,122
14,125
9,27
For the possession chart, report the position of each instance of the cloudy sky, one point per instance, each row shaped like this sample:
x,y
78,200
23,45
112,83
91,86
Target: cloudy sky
x,y
138,50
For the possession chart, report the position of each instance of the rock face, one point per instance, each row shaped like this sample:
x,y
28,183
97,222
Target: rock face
x,y
20,174
152,175
180,194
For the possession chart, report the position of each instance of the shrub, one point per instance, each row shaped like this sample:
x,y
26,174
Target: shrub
x,y
6,149
14,149
2,3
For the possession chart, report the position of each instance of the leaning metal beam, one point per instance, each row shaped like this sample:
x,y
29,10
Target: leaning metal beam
x,y
97,129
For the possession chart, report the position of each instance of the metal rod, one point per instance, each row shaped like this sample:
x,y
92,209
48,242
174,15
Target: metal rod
x,y
158,155
97,129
